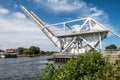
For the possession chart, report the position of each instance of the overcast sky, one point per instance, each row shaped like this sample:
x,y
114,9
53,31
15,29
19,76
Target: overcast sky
x,y
17,30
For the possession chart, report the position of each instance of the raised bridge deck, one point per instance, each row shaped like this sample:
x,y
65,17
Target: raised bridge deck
x,y
82,34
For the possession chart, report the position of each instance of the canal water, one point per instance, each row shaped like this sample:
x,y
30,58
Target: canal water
x,y
24,68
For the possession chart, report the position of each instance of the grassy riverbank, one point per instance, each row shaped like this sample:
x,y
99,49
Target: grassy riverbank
x,y
34,55
33,51
42,53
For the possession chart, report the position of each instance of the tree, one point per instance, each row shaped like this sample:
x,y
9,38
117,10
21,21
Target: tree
x,y
42,52
35,50
88,66
27,52
21,49
112,46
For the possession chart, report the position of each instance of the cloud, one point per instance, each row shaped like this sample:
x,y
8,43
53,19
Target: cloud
x,y
16,31
62,5
76,7
101,17
96,12
3,11
79,7
19,15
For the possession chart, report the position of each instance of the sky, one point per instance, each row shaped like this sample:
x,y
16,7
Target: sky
x,y
18,30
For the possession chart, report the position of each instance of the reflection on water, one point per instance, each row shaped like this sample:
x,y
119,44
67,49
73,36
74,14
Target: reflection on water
x,y
22,68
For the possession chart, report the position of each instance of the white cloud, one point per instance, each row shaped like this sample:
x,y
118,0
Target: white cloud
x,y
62,5
96,12
19,15
78,7
100,16
16,31
3,11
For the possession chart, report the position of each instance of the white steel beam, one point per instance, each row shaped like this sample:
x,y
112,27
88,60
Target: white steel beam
x,y
41,24
88,43
100,39
67,22
100,24
69,44
107,28
83,24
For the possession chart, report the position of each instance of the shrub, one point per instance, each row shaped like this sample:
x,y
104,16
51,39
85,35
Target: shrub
x,y
88,66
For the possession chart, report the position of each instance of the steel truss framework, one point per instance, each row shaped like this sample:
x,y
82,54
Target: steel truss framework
x,y
76,38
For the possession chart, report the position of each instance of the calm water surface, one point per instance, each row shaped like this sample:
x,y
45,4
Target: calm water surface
x,y
22,68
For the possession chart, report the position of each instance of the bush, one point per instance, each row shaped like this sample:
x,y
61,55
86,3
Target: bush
x,y
88,66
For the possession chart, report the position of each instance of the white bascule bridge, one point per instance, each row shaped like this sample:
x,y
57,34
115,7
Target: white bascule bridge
x,y
75,36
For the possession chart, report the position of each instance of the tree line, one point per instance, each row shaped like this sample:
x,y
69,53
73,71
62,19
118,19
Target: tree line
x,y
33,50
112,46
